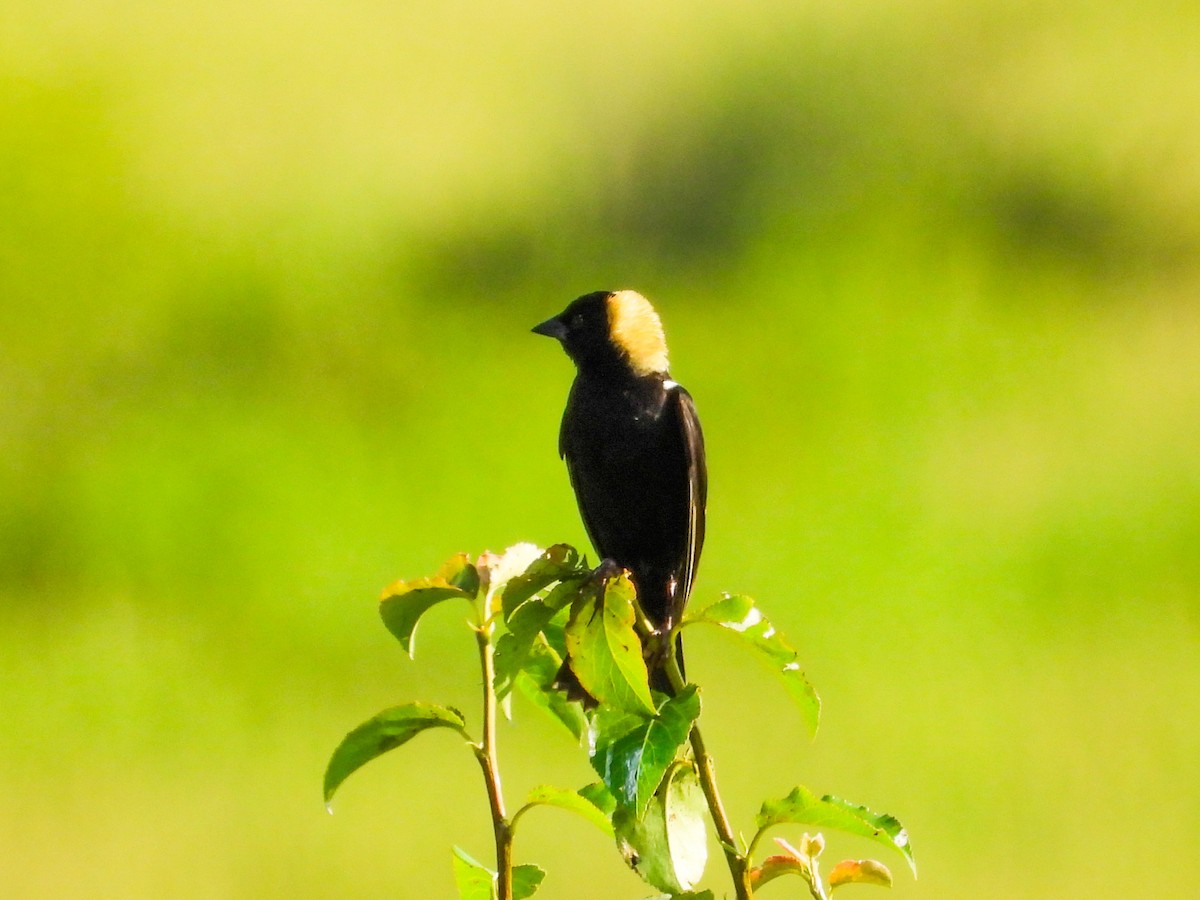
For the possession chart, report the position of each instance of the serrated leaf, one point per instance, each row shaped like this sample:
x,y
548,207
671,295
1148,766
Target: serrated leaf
x,y
631,754
600,797
859,871
738,615
803,807
775,867
730,611
525,628
605,652
474,880
526,880
498,570
802,861
404,602
385,732
556,563
555,634
572,801
536,681
668,845
509,660
534,615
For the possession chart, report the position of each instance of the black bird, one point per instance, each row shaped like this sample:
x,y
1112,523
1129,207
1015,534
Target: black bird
x,y
634,450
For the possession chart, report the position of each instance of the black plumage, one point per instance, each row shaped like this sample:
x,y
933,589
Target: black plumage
x,y
633,448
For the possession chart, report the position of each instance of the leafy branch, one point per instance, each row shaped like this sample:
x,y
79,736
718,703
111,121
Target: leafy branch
x,y
533,609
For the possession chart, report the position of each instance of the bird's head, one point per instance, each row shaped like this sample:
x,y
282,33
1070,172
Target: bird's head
x,y
608,329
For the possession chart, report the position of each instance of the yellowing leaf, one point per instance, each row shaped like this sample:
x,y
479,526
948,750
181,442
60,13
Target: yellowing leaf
x,y
776,866
859,871
604,649
404,602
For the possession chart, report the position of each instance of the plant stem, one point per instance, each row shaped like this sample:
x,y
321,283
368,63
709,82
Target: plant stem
x,y
489,761
739,864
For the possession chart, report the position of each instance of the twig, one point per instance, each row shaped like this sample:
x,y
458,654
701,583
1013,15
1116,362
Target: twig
x,y
489,761
739,864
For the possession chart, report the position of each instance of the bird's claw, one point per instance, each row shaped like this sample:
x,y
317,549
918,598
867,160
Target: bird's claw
x,y
607,570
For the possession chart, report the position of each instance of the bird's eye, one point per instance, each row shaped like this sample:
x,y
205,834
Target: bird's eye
x,y
577,320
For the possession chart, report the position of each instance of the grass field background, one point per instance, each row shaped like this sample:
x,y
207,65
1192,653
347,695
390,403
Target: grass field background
x,y
267,274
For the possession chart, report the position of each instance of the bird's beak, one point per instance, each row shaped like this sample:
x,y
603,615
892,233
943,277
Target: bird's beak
x,y
552,328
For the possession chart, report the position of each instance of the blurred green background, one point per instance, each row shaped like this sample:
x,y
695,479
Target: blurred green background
x,y
267,273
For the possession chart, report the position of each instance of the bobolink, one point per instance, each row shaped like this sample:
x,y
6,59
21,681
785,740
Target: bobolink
x,y
633,448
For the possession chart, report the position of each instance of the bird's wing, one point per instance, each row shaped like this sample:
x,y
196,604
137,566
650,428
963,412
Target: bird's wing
x,y
697,478
587,511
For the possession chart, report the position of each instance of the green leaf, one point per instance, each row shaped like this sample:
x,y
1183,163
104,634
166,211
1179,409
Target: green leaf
x,y
738,615
474,880
536,681
605,652
509,661
803,807
600,797
859,871
525,628
631,754
556,636
557,563
525,881
404,602
731,611
668,845
385,732
532,616
578,803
